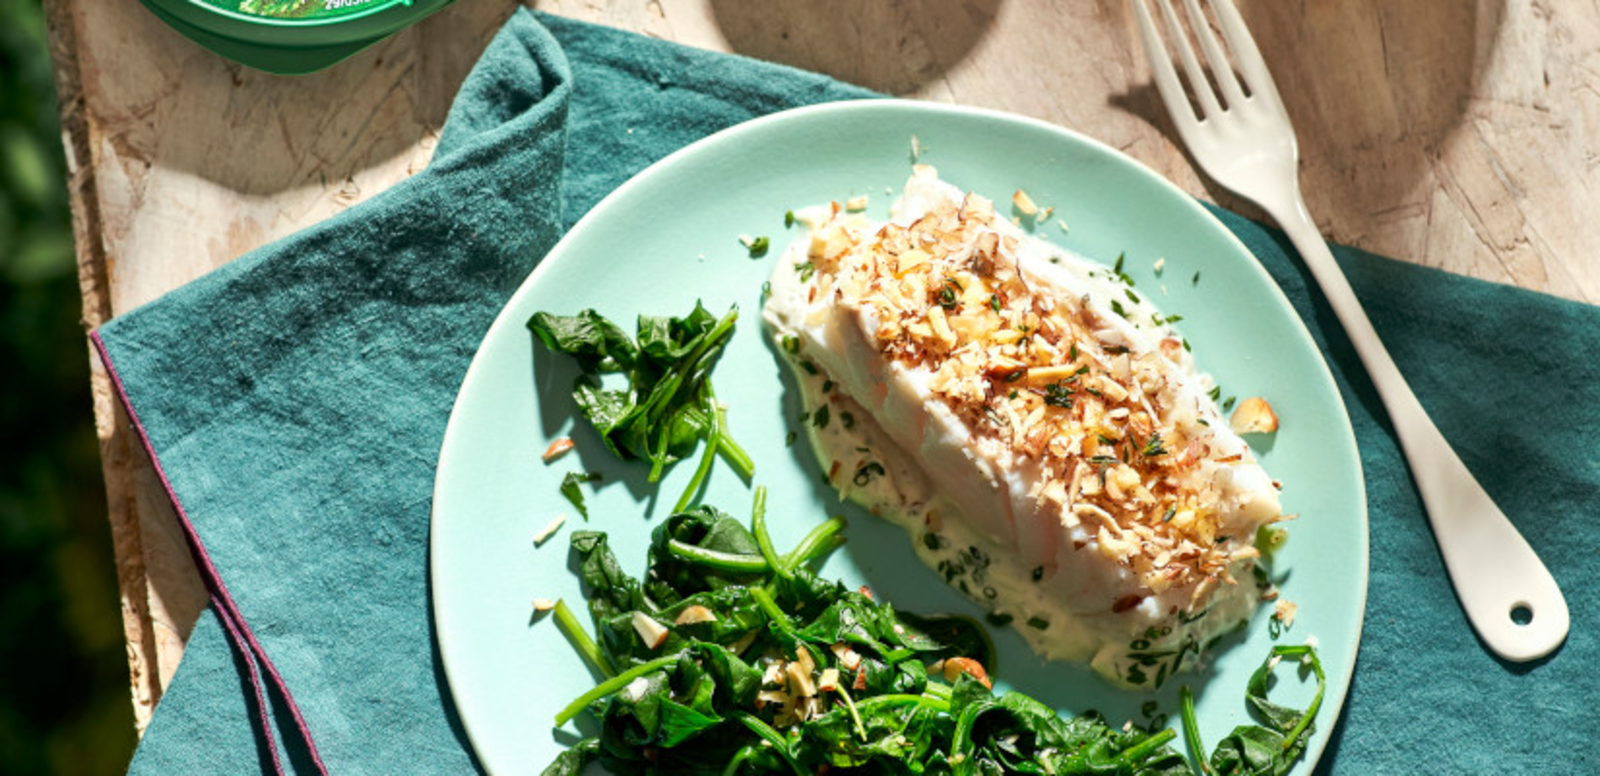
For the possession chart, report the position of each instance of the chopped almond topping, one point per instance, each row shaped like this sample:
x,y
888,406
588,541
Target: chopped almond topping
x,y
1051,380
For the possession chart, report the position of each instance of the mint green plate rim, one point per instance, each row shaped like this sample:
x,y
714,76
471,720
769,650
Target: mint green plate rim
x,y
670,235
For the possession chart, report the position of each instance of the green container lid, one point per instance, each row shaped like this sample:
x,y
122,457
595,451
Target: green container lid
x,y
290,36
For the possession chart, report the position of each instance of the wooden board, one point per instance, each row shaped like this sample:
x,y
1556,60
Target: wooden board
x,y
1460,134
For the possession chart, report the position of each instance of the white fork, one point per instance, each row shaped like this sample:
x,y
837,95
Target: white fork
x,y
1246,144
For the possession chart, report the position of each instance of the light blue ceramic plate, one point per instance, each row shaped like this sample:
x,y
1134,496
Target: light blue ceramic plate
x,y
670,236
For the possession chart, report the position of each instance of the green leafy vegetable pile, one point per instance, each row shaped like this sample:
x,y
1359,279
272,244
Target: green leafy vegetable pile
x,y
669,405
747,662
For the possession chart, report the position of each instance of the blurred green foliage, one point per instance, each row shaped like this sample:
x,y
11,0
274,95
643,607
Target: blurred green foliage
x,y
64,699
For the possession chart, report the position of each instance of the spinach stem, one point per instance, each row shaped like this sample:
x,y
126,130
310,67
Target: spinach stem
x,y
1191,729
820,540
758,525
764,600
771,736
1137,753
850,706
713,441
744,753
1316,702
727,561
580,639
612,685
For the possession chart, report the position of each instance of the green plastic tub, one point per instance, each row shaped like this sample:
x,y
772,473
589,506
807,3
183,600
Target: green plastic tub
x,y
290,36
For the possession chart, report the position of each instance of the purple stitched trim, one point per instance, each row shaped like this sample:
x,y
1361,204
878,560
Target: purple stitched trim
x,y
239,631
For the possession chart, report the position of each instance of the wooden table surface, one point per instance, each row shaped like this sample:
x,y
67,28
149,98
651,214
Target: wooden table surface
x,y
1461,134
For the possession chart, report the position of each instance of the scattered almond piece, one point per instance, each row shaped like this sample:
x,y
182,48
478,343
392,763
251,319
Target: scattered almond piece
x,y
1254,416
800,679
557,449
1024,203
1285,611
848,657
829,681
956,666
856,204
653,633
694,614
549,530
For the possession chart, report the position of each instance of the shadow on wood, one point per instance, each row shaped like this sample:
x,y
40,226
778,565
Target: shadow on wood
x,y
1375,122
892,47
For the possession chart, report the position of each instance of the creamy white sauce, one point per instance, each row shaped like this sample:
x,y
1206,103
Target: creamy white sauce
x,y
911,462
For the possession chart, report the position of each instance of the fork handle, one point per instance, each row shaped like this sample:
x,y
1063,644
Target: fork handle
x,y
1510,597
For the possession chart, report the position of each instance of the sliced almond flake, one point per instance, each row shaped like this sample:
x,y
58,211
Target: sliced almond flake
x,y
549,530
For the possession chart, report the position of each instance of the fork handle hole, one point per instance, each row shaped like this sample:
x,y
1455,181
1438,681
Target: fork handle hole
x,y
1521,615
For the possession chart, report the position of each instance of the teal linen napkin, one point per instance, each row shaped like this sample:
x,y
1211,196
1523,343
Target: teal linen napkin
x,y
296,399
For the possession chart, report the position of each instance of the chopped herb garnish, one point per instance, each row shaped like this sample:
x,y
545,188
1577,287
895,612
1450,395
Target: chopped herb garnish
x,y
758,247
847,420
1215,393
1196,280
820,417
1072,353
1038,573
1154,447
790,344
806,270
1167,517
1038,623
808,367
788,218
788,441
994,302
948,294
866,472
827,385
1227,404
1116,307
1132,297
1058,394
